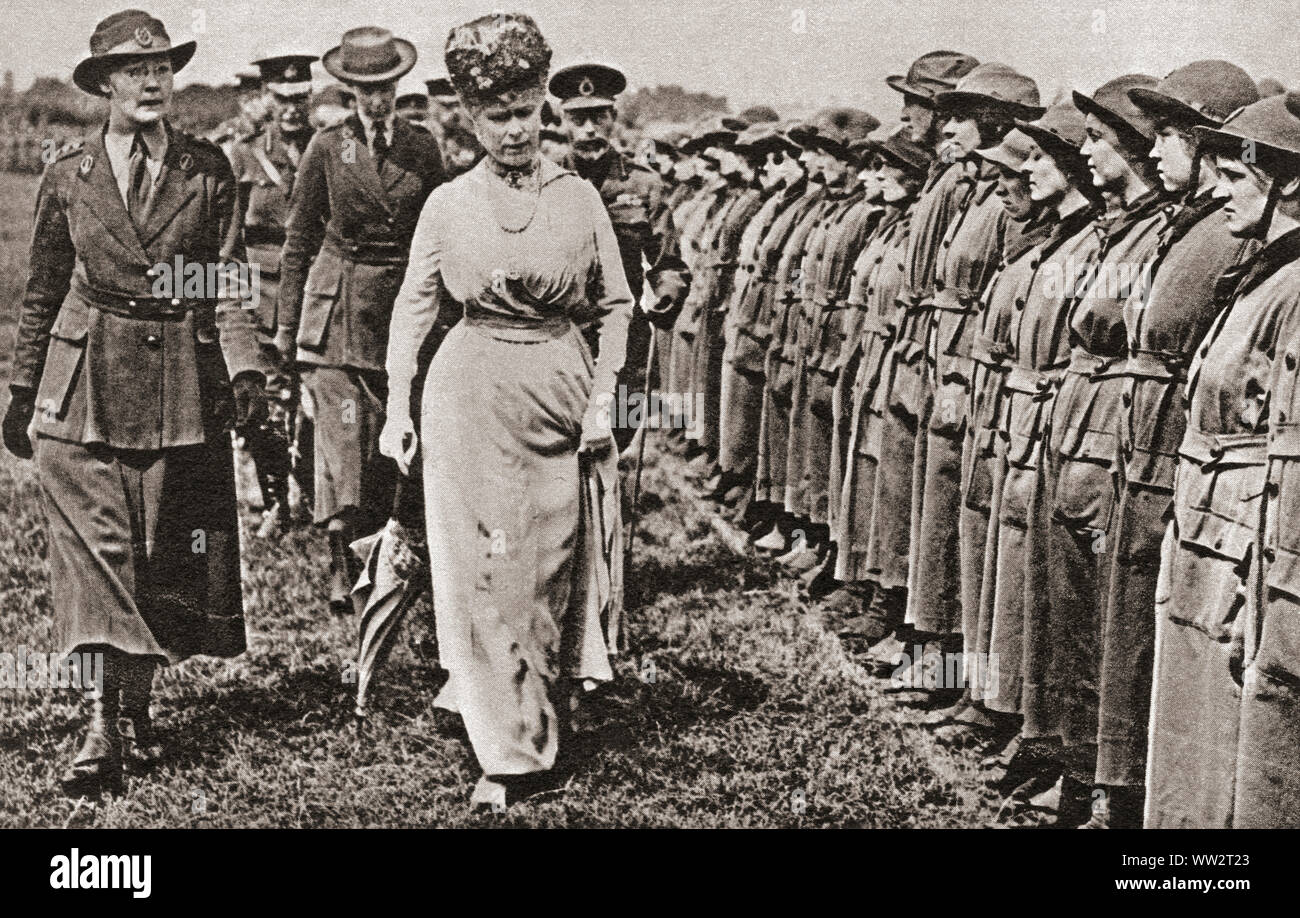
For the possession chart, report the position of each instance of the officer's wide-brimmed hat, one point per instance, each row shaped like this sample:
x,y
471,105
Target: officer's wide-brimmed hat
x,y
933,73
441,90
1112,106
587,86
1059,132
1012,152
1293,102
1201,93
1268,131
287,75
122,36
994,86
369,54
900,149
249,80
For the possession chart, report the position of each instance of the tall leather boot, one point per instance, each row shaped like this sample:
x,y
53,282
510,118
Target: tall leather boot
x,y
141,747
97,766
1075,806
341,579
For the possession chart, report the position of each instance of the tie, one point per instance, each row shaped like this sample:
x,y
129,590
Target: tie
x,y
141,183
381,146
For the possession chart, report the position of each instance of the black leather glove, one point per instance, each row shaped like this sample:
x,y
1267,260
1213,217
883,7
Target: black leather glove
x,y
22,407
250,399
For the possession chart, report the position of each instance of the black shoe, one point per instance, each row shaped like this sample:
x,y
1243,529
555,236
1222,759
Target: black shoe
x,y
97,766
1076,804
141,747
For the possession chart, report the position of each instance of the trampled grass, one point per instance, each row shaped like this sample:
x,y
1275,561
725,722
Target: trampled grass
x,y
733,707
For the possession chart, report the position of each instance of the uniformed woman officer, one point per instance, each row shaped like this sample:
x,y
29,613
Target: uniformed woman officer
x,y
134,393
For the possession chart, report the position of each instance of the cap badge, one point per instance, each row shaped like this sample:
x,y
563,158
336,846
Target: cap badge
x,y
291,72
586,87
143,37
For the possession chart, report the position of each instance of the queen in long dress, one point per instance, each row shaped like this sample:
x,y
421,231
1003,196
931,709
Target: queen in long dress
x,y
505,260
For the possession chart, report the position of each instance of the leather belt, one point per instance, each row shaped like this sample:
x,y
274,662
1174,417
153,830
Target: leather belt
x,y
142,308
523,329
368,253
1085,363
1156,365
1209,450
1026,381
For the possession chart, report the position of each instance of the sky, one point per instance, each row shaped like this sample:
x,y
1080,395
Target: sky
x,y
793,55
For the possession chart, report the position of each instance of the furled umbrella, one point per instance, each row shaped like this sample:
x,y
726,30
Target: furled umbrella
x,y
396,573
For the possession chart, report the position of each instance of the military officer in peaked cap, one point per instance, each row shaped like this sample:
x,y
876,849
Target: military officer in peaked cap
x,y
359,191
632,195
124,391
265,165
456,139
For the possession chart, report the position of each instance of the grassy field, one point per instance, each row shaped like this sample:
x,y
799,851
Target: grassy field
x,y
734,706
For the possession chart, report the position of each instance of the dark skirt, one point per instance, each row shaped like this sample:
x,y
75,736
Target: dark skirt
x,y
144,548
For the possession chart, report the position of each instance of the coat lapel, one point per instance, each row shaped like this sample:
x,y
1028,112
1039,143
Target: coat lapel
x,y
172,189
364,168
105,199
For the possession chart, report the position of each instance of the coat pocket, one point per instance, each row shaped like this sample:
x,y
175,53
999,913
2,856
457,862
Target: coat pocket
x,y
63,359
321,292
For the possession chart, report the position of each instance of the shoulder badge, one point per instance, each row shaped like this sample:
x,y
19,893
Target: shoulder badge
x,y
71,148
87,163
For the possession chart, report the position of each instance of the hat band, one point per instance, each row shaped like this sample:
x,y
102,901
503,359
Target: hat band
x,y
371,61
132,46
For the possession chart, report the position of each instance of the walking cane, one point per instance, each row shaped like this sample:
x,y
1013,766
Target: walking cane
x,y
640,452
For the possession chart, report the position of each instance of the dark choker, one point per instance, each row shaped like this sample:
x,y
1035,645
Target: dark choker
x,y
514,176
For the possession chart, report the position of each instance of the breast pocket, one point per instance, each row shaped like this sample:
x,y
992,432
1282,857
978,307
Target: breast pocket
x,y
63,359
320,293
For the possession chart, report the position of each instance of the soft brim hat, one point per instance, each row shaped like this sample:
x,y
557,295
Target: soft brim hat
x,y
1059,132
128,35
1112,105
997,87
1011,153
1200,93
718,138
932,73
1269,128
369,55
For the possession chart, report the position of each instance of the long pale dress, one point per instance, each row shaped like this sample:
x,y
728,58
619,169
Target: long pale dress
x,y
508,523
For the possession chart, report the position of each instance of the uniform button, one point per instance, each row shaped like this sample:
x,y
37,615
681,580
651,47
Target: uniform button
x,y
130,302
153,339
1270,555
176,302
148,272
1290,360
1128,400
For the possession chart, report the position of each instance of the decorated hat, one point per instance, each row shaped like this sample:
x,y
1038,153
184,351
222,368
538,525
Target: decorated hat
x,y
994,86
1203,92
1012,152
121,37
933,73
1112,105
491,55
587,86
369,54
287,75
1268,130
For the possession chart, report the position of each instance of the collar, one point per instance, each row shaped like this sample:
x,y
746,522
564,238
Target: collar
x,y
368,126
156,141
1240,279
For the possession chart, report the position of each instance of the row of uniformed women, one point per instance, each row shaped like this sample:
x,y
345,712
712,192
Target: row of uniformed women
x,y
981,429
